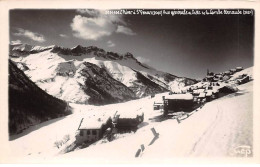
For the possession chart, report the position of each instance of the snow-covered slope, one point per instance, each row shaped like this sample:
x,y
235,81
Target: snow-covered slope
x,y
28,104
216,130
57,70
247,71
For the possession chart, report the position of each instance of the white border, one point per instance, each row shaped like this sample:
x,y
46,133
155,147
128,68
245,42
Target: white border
x,y
5,6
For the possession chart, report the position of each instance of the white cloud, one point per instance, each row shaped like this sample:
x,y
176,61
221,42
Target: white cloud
x,y
92,28
110,44
16,42
63,35
90,12
125,30
94,24
142,59
32,35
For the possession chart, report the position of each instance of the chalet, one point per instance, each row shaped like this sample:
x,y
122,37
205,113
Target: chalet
x,y
218,76
227,73
209,78
178,102
209,95
215,84
196,92
243,80
239,69
202,96
215,79
215,93
232,71
91,130
125,121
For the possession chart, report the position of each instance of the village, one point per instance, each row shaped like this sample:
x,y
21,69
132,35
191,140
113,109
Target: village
x,y
172,123
179,105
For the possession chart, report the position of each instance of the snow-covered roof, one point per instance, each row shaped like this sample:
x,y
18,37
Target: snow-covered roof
x,y
186,96
202,95
93,123
198,91
239,68
215,90
209,76
129,114
209,93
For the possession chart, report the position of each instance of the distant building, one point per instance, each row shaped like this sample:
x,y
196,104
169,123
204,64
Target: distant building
x,y
239,69
202,96
243,80
232,71
227,73
196,92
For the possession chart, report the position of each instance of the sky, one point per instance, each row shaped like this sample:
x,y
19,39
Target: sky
x,y
183,45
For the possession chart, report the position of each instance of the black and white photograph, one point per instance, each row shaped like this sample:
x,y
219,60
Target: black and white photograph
x,y
130,84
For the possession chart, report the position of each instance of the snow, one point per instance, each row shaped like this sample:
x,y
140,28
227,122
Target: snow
x,y
202,94
57,74
209,92
26,47
198,90
176,86
93,123
186,96
248,71
215,130
121,73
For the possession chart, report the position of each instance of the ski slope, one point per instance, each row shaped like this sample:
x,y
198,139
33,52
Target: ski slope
x,y
215,130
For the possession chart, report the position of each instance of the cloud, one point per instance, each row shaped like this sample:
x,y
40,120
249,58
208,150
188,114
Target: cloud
x,y
125,30
94,24
16,42
88,12
92,28
32,35
63,35
110,44
142,59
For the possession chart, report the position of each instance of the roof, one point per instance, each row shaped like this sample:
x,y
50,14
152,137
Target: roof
x,y
93,123
198,90
202,95
209,93
129,114
186,96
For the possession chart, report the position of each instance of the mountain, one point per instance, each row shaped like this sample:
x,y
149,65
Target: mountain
x,y
28,104
91,75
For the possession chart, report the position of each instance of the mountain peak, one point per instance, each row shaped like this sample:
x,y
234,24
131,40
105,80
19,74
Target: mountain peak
x,y
77,47
128,55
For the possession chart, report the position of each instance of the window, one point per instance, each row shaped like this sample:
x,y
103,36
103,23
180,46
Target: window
x,y
81,133
88,132
94,132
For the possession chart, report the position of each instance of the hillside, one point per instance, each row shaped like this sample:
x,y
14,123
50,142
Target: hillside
x,y
61,72
28,104
216,130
